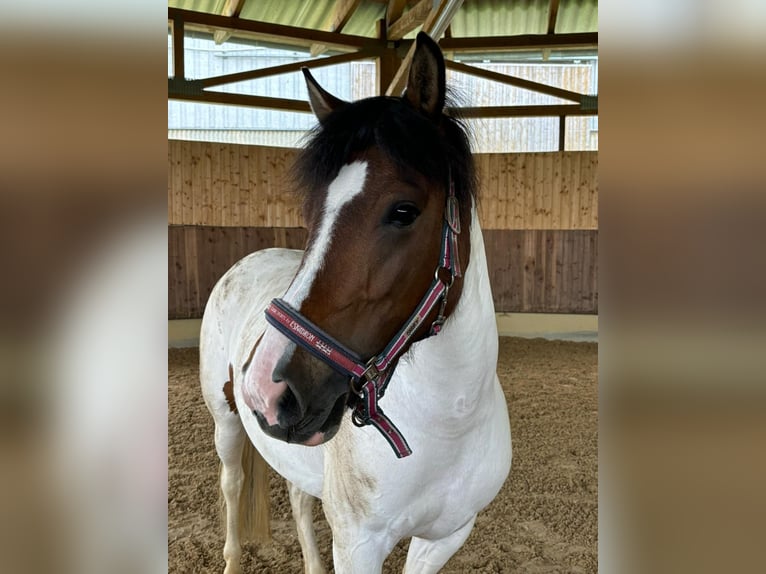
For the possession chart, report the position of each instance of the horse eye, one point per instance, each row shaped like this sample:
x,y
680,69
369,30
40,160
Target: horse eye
x,y
403,214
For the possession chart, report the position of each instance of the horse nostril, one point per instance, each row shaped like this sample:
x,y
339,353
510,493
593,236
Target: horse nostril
x,y
290,411
279,374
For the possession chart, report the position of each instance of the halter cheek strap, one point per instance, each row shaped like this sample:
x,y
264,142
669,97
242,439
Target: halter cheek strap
x,y
370,378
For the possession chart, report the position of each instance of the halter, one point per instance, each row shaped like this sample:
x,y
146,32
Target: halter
x,y
369,379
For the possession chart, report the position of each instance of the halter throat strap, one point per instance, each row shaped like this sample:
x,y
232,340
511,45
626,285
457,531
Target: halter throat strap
x,y
369,378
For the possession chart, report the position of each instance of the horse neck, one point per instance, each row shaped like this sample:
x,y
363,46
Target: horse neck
x,y
464,354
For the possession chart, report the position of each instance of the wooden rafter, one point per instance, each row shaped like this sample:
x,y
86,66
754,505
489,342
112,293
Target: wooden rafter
x,y
436,22
231,8
523,111
285,68
344,9
553,12
522,42
514,81
302,106
275,32
193,95
394,11
410,20
335,21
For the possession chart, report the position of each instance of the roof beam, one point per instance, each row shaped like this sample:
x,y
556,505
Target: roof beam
x,y
514,81
335,21
436,23
553,12
189,91
523,111
522,42
344,9
291,35
178,92
284,68
231,8
406,23
394,11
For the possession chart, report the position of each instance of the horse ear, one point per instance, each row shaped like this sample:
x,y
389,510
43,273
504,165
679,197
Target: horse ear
x,y
426,82
322,102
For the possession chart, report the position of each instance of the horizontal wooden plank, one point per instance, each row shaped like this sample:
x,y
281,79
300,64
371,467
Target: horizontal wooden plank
x,y
250,186
532,271
519,42
541,111
543,271
550,190
189,91
199,255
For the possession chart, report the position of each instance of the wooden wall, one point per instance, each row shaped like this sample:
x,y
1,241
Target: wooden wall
x,y
539,213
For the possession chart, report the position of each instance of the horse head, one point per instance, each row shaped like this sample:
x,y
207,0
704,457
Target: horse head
x,y
375,177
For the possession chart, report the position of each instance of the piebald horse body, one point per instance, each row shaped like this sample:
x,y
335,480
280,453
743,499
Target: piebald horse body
x,y
443,396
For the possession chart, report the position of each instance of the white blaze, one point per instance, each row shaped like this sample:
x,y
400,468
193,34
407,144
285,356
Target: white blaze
x,y
346,186
260,392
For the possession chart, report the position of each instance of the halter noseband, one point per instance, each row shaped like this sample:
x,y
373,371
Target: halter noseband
x,y
369,379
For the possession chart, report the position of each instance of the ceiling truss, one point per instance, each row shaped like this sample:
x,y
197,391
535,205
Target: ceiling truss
x,y
392,52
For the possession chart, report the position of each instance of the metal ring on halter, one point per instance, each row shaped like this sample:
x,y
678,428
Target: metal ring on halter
x,y
451,276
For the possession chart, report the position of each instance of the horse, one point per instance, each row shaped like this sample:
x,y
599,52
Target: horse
x,y
363,369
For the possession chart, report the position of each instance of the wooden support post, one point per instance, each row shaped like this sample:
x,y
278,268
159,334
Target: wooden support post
x,y
178,49
387,62
562,132
553,12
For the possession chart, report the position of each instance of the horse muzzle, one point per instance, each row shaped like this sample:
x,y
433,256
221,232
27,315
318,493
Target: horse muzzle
x,y
294,397
312,430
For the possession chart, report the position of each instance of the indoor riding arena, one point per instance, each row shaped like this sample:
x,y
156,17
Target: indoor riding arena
x,y
525,76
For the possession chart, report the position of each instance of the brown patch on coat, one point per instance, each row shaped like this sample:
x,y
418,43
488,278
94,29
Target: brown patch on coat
x,y
228,391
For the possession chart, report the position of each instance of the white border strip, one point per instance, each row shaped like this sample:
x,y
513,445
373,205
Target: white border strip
x,y
185,332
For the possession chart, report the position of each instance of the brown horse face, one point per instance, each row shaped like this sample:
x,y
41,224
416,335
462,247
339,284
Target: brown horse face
x,y
373,250
374,241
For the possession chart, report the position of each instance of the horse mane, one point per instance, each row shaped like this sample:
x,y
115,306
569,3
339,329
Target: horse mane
x,y
412,141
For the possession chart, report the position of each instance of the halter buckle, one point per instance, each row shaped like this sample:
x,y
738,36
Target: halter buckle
x,y
371,373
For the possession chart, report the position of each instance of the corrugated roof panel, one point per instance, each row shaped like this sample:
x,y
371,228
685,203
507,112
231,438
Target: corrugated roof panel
x,y
209,6
363,21
577,16
475,17
289,12
501,18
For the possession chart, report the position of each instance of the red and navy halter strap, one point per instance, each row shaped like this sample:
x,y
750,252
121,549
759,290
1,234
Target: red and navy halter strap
x,y
370,378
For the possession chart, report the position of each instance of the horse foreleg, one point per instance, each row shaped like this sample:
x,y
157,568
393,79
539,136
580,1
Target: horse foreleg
x,y
302,505
429,556
229,443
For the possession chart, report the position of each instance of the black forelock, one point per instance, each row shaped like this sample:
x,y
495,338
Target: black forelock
x,y
409,138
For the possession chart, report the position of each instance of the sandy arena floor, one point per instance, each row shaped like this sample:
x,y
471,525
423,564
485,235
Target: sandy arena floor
x,y
543,520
